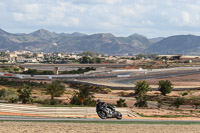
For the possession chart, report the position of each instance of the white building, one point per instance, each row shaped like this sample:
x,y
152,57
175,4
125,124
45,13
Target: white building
x,y
28,60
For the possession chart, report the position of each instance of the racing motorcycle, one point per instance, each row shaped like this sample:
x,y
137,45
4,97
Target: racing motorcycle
x,y
105,111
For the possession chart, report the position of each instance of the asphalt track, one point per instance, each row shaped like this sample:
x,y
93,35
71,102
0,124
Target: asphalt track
x,y
57,119
129,81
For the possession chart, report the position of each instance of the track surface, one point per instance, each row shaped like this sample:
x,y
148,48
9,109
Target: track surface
x,y
129,81
46,119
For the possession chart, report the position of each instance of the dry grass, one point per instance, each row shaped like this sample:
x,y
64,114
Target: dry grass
x,y
45,127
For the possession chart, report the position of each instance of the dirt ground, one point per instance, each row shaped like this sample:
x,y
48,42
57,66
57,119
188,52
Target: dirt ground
x,y
191,81
47,127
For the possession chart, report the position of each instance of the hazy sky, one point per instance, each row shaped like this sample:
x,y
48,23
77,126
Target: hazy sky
x,y
152,18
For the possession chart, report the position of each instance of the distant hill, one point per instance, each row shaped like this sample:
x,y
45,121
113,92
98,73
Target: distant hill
x,y
155,40
45,41
180,44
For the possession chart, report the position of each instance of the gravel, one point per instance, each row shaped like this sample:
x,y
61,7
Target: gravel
x,y
47,127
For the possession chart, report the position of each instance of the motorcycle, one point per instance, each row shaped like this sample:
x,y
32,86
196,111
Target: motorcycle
x,y
105,111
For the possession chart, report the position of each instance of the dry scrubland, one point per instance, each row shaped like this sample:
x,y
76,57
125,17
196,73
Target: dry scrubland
x,y
36,127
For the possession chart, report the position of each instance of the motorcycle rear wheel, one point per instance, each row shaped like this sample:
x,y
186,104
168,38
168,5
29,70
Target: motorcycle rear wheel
x,y
102,114
119,115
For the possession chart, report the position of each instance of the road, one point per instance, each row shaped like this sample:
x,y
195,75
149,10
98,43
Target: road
x,y
68,67
57,119
129,81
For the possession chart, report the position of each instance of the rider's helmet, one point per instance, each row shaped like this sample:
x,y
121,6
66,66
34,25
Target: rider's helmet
x,y
98,101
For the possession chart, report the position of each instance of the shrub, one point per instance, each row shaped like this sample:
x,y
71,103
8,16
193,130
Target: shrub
x,y
165,87
25,94
75,99
79,71
185,93
15,82
3,93
197,104
141,102
83,97
178,101
36,72
6,94
55,102
13,100
142,87
55,89
121,103
160,102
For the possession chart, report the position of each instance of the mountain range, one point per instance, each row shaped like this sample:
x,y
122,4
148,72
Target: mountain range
x,y
45,41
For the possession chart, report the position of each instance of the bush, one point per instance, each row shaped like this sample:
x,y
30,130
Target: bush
x,y
178,101
142,87
185,93
83,97
3,93
197,104
15,82
36,72
165,87
55,89
79,71
55,102
25,94
121,103
160,102
6,94
141,102
75,99
13,100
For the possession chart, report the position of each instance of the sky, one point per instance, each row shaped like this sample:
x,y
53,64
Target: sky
x,y
152,18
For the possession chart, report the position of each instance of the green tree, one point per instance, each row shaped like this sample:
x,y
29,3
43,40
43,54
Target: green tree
x,y
178,101
98,60
56,88
142,87
141,101
83,97
89,53
165,87
24,94
85,59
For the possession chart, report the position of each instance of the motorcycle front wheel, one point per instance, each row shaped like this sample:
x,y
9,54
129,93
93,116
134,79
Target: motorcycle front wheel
x,y
102,114
119,115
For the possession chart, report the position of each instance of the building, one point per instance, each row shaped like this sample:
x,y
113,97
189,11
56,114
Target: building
x,y
26,60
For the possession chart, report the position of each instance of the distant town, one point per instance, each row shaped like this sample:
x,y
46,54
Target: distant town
x,y
87,58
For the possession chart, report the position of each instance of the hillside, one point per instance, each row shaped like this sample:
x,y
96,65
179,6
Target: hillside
x,y
45,41
180,44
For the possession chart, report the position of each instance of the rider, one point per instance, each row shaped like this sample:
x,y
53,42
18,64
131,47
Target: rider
x,y
100,104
